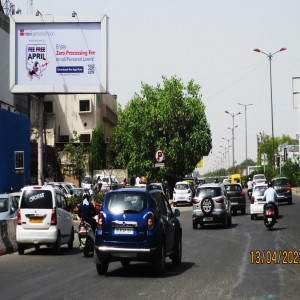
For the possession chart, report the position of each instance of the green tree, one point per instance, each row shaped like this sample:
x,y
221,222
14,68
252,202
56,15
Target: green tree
x,y
170,117
77,157
97,158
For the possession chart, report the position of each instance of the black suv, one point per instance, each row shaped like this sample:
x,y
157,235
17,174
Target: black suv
x,y
236,195
137,225
283,189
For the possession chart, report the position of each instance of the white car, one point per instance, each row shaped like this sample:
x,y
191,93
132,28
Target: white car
x,y
8,206
44,218
182,193
87,182
259,178
256,202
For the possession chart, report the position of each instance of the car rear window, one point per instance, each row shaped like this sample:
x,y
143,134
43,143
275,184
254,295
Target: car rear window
x,y
182,186
233,187
37,199
3,204
259,190
209,191
129,202
259,177
281,181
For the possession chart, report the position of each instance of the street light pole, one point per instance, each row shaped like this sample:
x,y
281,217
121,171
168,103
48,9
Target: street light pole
x,y
270,56
228,151
232,115
245,105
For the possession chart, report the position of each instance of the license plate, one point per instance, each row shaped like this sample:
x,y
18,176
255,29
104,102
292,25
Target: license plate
x,y
35,220
123,230
208,219
269,219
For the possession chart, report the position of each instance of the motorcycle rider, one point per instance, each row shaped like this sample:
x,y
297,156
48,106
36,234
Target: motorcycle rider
x,y
87,211
270,196
250,186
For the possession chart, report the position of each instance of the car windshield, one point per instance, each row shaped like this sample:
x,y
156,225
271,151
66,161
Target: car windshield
x,y
182,186
87,180
209,191
129,202
259,190
281,181
37,199
259,177
3,204
233,187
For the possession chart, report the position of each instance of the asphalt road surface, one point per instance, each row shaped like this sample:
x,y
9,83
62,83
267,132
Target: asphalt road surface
x,y
244,261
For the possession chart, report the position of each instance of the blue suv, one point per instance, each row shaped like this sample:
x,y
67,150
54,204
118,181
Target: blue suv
x,y
137,225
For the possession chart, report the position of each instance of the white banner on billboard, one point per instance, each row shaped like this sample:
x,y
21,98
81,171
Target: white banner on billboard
x,y
59,54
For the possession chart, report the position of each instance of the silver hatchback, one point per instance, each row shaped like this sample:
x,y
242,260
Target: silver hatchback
x,y
210,205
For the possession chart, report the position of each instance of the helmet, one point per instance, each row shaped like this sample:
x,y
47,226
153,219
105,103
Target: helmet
x,y
249,179
86,195
269,184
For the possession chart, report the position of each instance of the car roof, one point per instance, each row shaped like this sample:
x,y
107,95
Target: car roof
x,y
279,178
182,182
210,185
260,184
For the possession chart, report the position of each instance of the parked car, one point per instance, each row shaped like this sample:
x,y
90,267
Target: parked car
x,y
257,203
283,189
8,206
44,218
236,195
182,193
87,182
259,178
211,205
137,225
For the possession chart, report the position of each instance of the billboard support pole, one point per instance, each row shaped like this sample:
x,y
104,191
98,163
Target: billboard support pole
x,y
40,140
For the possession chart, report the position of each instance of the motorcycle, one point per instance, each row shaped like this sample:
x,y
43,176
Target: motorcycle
x,y
86,238
249,193
269,216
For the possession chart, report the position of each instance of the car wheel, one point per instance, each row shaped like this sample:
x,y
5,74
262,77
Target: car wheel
x,y
176,259
234,212
125,263
243,211
56,246
229,220
102,267
290,201
207,205
70,244
21,249
85,252
195,225
160,262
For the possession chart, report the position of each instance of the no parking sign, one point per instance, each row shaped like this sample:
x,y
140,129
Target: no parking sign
x,y
159,156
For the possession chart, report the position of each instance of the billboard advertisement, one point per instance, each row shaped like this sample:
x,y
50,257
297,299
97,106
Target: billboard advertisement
x,y
59,54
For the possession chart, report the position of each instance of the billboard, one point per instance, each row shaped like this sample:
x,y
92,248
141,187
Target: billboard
x,y
58,54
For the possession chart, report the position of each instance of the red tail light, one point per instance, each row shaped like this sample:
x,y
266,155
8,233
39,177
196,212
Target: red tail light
x,y
100,221
243,193
53,217
196,201
254,183
269,212
289,188
174,192
266,182
19,216
220,200
189,191
150,221
252,199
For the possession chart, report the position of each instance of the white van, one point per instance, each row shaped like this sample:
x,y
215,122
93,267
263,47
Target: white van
x,y
44,218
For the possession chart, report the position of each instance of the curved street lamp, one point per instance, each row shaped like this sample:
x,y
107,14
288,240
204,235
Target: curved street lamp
x,y
270,56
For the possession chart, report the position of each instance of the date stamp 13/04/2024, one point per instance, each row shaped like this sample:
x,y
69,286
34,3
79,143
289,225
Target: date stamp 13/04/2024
x,y
275,257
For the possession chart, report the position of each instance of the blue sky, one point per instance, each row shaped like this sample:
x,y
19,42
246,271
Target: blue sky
x,y
212,42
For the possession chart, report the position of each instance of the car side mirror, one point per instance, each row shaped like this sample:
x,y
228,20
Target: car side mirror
x,y
177,212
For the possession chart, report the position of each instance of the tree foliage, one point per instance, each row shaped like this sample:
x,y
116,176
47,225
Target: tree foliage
x,y
77,156
97,158
170,117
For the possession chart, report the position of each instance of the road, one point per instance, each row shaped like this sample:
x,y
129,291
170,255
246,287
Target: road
x,y
217,264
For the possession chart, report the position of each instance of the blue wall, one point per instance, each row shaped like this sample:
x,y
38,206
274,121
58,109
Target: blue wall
x,y
14,136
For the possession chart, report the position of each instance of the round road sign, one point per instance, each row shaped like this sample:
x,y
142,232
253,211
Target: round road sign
x,y
159,156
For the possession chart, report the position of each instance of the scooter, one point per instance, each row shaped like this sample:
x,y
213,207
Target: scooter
x,y
249,193
86,238
269,216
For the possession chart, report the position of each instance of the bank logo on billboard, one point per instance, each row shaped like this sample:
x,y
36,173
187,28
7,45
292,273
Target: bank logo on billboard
x,y
36,60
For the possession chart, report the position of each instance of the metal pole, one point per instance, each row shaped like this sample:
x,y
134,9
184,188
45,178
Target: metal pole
x,y
40,140
273,153
233,140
